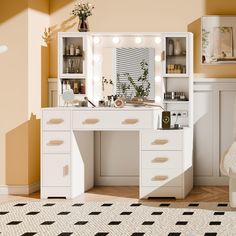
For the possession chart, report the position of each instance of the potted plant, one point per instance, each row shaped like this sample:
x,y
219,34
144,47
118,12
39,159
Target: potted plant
x,y
142,89
83,10
122,87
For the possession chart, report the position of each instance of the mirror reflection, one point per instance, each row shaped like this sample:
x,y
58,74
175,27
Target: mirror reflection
x,y
128,72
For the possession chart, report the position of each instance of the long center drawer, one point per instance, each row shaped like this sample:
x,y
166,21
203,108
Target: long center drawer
x,y
99,120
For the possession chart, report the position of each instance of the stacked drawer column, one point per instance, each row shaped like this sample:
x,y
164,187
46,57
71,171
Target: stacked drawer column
x,y
161,165
56,154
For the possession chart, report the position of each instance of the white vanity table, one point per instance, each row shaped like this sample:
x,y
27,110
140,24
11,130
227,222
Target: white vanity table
x,y
68,134
68,151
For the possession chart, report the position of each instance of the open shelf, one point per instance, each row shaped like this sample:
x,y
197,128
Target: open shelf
x,y
69,56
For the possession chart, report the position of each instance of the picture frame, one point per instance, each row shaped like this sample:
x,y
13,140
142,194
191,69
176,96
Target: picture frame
x,y
218,39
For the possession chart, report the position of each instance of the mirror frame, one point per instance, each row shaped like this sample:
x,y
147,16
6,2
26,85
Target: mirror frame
x,y
125,40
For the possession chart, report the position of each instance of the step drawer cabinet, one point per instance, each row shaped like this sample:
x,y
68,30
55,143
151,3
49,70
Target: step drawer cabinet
x,y
165,163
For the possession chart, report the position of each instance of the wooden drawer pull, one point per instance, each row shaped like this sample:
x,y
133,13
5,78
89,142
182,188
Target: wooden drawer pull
x,y
160,160
159,178
160,142
65,170
130,121
91,121
55,121
55,142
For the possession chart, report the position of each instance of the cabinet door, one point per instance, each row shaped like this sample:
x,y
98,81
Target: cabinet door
x,y
176,55
71,48
56,170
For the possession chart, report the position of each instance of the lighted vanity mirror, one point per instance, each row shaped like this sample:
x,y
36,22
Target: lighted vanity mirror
x,y
118,56
120,64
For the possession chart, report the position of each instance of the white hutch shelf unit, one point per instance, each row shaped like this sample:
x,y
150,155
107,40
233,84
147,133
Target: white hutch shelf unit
x,y
159,161
74,64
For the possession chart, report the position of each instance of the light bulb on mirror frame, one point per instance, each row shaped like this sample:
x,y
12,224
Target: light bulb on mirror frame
x,y
158,40
115,40
96,58
158,99
157,58
96,79
158,79
96,40
138,40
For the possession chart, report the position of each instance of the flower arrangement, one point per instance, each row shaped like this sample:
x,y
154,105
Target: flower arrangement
x,y
82,9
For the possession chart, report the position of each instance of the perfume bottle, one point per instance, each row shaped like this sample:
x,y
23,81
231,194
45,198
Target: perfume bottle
x,y
72,50
76,87
68,85
64,86
77,51
82,88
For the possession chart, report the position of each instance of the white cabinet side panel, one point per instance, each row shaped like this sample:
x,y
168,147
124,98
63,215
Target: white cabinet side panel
x,y
203,142
227,120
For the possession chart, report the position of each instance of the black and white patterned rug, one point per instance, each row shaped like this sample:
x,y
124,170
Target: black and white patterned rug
x,y
68,217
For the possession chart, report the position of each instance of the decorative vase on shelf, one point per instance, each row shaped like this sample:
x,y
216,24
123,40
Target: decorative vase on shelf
x,y
83,24
178,48
170,49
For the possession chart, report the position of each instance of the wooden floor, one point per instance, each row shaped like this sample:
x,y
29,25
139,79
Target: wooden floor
x,y
198,194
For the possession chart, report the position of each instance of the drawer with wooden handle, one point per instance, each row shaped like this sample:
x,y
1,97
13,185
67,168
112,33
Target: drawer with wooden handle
x,y
162,140
161,159
56,120
161,177
56,170
112,120
56,142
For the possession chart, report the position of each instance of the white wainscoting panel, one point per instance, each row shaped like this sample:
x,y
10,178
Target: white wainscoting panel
x,y
117,158
214,131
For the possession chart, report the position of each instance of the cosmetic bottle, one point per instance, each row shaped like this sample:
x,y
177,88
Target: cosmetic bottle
x,y
72,50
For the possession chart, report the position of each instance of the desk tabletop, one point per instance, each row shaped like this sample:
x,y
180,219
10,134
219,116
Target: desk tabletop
x,y
126,108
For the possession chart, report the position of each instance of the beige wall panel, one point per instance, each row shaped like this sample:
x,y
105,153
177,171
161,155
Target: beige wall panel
x,y
21,77
139,16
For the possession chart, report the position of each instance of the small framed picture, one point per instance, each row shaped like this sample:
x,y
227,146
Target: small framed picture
x,y
218,37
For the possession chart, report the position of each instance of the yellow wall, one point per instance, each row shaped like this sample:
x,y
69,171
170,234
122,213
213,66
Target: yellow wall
x,y
21,27
14,74
144,16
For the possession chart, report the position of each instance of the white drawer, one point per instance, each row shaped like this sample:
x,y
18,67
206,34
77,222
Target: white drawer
x,y
55,142
162,140
56,170
162,159
161,177
56,120
98,120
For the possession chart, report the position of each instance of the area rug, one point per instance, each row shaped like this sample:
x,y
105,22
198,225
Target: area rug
x,y
68,217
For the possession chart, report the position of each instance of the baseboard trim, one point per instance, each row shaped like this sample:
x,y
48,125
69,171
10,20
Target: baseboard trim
x,y
211,181
19,189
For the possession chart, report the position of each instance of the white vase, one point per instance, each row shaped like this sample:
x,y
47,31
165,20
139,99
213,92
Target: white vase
x,y
178,48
